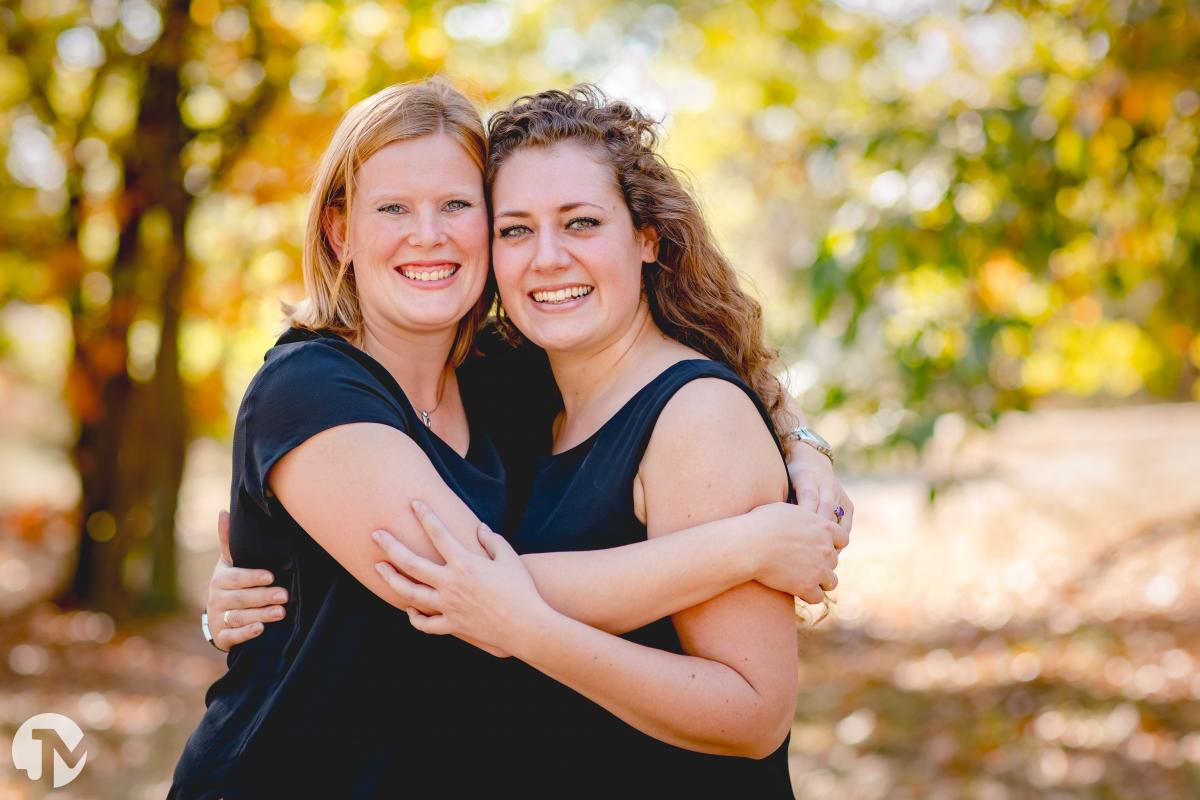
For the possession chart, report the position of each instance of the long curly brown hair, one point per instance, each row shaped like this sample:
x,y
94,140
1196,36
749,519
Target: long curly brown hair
x,y
692,290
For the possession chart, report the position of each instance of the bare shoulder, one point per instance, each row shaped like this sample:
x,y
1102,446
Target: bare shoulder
x,y
710,455
711,409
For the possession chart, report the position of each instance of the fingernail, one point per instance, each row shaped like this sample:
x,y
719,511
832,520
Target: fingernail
x,y
277,614
417,506
266,577
377,536
379,568
279,597
258,627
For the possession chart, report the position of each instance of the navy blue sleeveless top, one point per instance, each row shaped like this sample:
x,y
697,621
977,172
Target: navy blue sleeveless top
x,y
582,499
343,698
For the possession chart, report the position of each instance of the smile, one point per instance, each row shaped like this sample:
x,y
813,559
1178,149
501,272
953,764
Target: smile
x,y
557,296
428,273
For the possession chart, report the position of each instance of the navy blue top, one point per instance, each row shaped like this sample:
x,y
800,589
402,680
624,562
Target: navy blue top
x,y
582,499
335,700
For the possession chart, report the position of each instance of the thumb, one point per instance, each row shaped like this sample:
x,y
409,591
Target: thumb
x,y
493,543
223,535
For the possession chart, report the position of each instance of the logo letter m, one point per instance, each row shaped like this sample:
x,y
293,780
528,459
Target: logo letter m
x,y
53,744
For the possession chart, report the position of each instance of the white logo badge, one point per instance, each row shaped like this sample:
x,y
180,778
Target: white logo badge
x,y
49,743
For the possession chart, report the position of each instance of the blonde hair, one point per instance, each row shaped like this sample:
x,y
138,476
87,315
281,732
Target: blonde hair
x,y
399,112
692,289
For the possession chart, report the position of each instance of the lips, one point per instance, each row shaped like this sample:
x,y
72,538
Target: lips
x,y
560,294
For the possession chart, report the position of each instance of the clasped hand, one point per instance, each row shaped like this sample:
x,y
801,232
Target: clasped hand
x,y
477,597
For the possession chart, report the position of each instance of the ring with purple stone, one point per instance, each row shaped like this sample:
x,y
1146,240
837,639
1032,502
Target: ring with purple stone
x,y
839,512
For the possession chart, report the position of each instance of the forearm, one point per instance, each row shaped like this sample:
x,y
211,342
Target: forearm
x,y
687,701
623,588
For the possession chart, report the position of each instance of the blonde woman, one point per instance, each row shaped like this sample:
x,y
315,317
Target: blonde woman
x,y
365,406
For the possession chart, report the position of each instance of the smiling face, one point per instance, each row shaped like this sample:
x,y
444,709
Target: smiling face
x,y
417,235
567,257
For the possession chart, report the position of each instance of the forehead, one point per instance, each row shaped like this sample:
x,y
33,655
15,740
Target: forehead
x,y
554,173
419,164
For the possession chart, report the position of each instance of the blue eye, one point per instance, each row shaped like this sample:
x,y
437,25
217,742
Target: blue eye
x,y
391,208
583,223
457,205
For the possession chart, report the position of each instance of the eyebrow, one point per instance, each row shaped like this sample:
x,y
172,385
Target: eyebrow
x,y
561,209
393,196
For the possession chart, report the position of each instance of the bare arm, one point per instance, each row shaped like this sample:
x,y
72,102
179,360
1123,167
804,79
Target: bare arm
x,y
733,693
616,590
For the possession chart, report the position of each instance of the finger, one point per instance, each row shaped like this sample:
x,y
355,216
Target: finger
x,y
223,536
841,536
408,592
436,624
227,577
812,595
237,599
830,582
408,562
438,533
807,494
828,502
493,543
848,507
240,617
229,638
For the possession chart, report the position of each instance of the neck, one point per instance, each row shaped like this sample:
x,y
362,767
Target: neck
x,y
417,360
585,374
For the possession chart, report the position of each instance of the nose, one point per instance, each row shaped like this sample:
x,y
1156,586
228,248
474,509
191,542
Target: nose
x,y
428,229
550,253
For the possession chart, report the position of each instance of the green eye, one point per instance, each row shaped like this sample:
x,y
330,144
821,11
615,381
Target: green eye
x,y
512,231
582,223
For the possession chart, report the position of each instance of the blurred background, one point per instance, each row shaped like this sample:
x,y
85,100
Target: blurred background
x,y
974,226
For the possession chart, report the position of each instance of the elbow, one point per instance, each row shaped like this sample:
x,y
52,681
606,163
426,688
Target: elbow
x,y
763,737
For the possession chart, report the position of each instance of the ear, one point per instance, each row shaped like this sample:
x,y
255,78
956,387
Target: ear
x,y
649,244
333,221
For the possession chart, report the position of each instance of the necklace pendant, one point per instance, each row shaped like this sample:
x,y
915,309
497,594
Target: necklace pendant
x,y
425,419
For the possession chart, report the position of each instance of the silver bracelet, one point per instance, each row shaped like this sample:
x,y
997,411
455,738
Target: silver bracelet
x,y
208,637
811,438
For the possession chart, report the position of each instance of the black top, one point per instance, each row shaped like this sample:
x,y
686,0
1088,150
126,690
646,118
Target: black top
x,y
582,499
343,698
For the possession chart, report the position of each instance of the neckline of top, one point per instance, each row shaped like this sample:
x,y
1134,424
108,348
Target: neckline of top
x,y
473,453
626,406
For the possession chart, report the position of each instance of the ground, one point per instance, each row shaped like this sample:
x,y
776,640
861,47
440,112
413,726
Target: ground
x,y
1032,632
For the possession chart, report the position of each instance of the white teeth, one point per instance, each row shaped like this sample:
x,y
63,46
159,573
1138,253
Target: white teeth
x,y
562,295
434,275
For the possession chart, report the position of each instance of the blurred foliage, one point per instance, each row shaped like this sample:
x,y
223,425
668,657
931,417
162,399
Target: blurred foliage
x,y
947,206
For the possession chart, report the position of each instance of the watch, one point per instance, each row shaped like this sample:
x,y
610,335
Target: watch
x,y
208,637
811,438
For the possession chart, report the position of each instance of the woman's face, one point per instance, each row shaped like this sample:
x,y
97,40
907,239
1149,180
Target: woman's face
x,y
568,259
418,235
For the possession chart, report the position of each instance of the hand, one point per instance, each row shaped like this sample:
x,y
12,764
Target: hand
x,y
816,485
489,600
798,550
235,591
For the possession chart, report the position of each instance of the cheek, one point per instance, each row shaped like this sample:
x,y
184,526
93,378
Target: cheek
x,y
473,235
506,264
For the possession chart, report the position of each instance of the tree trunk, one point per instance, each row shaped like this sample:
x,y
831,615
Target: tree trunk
x,y
132,437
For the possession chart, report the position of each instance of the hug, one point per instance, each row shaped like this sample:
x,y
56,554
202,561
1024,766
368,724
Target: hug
x,y
519,467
